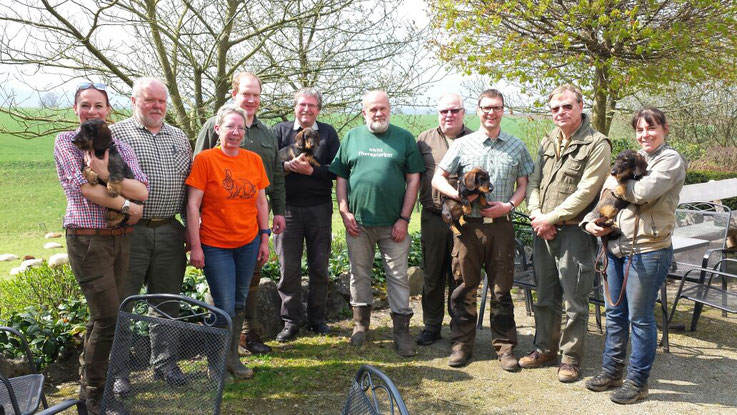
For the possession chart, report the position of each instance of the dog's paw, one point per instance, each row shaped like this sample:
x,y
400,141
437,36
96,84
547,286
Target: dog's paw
x,y
113,189
90,176
608,211
114,218
467,209
455,230
620,190
482,200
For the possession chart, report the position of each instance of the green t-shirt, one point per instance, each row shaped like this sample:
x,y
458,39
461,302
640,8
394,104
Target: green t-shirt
x,y
375,166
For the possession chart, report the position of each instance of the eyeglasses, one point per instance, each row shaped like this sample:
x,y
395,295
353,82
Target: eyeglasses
x,y
453,111
87,85
307,105
232,128
495,108
565,107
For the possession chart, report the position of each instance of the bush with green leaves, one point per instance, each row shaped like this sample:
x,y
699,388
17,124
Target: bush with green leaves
x,y
37,286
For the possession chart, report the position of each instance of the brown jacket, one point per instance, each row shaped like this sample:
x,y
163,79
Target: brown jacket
x,y
433,145
565,188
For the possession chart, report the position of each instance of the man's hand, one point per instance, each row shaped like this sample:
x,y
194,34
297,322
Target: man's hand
x,y
399,230
300,165
597,230
197,257
135,211
278,224
349,221
99,166
542,228
495,209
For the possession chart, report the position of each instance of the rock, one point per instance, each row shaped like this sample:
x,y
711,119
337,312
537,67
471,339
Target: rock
x,y
58,260
52,245
337,306
52,235
8,257
416,280
268,321
15,271
343,285
28,263
28,257
13,367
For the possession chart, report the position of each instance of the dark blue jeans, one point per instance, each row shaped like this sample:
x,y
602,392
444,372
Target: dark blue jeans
x,y
646,275
228,272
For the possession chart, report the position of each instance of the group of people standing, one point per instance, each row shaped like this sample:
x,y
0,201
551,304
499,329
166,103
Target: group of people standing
x,y
227,187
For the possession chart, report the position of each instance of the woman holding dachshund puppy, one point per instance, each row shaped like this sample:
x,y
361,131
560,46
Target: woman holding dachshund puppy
x,y
639,259
227,192
98,254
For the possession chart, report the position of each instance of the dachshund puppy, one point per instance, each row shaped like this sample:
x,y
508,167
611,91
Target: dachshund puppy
x,y
452,214
475,182
628,165
95,136
305,143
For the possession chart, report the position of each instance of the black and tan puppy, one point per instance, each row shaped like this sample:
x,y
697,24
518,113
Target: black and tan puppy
x,y
627,166
475,182
306,143
95,136
452,214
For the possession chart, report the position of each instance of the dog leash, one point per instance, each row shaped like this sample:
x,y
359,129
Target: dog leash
x,y
605,262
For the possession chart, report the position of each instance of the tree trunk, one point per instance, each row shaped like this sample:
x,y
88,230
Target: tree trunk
x,y
599,108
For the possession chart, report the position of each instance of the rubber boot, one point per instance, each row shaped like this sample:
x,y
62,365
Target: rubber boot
x,y
235,367
402,340
361,321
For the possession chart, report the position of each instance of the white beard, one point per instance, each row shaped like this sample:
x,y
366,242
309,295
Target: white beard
x,y
378,126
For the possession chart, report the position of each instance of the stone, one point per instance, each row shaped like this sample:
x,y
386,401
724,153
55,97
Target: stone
x,y
51,235
15,271
28,263
8,257
267,320
337,306
52,245
416,280
58,260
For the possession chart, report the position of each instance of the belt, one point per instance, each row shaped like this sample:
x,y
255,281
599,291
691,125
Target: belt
x,y
156,222
102,232
485,220
434,212
569,222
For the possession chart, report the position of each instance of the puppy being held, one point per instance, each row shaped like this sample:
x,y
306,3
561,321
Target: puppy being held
x,y
629,165
474,183
306,143
94,138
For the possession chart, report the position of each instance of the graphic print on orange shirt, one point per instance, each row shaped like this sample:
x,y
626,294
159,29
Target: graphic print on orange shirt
x,y
238,188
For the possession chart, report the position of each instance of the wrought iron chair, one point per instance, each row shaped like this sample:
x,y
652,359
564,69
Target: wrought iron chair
x,y
196,343
24,394
371,391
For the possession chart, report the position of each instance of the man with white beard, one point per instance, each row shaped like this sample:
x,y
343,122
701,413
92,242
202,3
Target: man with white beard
x,y
378,170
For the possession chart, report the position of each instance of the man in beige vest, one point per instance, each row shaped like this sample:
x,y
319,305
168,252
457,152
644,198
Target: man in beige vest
x,y
571,166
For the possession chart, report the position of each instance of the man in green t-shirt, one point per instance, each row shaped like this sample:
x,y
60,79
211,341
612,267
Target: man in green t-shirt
x,y
378,170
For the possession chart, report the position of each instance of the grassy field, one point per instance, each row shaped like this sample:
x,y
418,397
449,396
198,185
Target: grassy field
x,y
33,203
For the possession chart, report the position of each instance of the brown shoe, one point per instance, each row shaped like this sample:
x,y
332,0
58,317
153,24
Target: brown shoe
x,y
508,362
568,373
459,358
537,359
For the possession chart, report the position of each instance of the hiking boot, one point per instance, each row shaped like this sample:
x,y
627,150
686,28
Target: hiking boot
x,y
459,358
402,340
253,343
628,393
361,322
603,381
508,362
568,373
537,359
320,328
427,337
288,333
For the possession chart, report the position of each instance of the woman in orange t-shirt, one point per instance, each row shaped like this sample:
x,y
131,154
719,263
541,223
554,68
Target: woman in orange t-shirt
x,y
226,191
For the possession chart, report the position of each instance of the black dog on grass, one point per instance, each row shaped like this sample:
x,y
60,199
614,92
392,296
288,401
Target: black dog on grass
x,y
95,136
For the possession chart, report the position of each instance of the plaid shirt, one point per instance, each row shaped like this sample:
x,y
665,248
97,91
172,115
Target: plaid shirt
x,y
166,158
505,158
81,213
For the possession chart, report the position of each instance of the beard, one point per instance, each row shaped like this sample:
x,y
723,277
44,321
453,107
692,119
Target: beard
x,y
148,122
378,126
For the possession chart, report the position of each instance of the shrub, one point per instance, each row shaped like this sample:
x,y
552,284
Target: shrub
x,y
703,176
39,286
722,159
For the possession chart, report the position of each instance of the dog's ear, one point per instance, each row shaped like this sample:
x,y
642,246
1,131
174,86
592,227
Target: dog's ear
x,y
299,139
640,166
469,180
104,137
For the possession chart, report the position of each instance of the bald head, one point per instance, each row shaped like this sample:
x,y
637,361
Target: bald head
x,y
376,111
450,114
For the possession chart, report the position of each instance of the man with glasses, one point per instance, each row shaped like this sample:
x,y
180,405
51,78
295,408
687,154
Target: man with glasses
x,y
487,237
572,165
157,255
437,239
261,140
308,214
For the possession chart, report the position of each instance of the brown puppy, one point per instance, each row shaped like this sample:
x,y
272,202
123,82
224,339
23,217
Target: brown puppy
x,y
453,214
95,136
628,165
475,182
305,143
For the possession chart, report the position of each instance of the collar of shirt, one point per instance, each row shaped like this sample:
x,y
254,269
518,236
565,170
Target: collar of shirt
x,y
296,126
482,137
164,127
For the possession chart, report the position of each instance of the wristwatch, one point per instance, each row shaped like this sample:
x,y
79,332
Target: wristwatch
x,y
404,218
126,207
513,206
265,231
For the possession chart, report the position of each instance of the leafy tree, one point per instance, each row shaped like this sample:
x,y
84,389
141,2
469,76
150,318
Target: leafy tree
x,y
610,48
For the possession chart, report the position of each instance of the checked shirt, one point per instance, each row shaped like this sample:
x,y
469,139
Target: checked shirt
x,y
505,158
166,158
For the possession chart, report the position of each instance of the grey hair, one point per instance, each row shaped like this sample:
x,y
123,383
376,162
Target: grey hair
x,y
308,91
371,92
140,83
226,110
567,87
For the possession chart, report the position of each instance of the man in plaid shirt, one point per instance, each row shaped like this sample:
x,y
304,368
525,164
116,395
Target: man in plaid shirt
x,y
157,257
487,237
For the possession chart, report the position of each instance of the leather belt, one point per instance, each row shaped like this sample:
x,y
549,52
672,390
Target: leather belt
x,y
101,232
569,222
504,218
156,222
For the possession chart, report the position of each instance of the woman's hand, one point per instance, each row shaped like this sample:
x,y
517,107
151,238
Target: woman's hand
x,y
597,230
263,251
197,257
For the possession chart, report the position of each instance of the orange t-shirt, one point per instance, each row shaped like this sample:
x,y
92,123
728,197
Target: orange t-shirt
x,y
230,186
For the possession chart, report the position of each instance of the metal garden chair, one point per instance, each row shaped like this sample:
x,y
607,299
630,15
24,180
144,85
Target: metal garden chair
x,y
371,391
